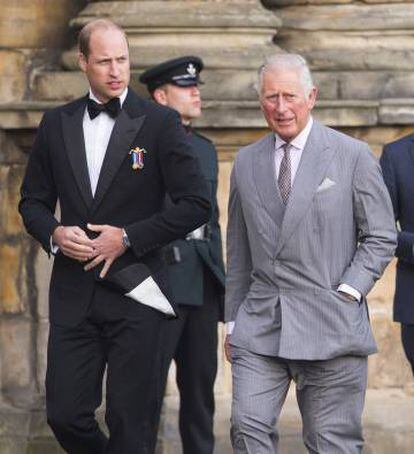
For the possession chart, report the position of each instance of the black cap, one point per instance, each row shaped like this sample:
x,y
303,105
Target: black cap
x,y
183,72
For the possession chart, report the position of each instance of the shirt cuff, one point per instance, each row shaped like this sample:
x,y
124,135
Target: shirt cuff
x,y
345,288
53,247
230,327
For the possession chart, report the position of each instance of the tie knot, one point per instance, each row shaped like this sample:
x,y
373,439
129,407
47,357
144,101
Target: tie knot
x,y
112,108
286,148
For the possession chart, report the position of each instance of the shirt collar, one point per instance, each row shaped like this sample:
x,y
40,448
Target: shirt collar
x,y
122,97
300,140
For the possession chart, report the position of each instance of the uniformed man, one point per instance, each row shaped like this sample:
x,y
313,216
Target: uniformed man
x,y
196,269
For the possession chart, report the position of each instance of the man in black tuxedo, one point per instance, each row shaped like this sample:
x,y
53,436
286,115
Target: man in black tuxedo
x,y
109,159
195,269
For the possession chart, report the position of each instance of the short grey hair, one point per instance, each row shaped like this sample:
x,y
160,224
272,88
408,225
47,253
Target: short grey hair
x,y
285,61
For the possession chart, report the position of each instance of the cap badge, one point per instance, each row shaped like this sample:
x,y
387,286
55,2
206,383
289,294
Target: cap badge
x,y
191,69
137,158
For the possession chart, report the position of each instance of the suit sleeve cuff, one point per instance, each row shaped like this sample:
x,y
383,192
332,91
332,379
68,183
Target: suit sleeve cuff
x,y
345,288
229,327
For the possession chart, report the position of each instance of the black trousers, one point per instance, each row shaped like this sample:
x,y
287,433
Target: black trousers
x,y
191,340
123,336
407,336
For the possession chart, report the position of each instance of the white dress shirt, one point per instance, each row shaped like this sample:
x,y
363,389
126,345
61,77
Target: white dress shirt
x,y
297,146
97,133
296,150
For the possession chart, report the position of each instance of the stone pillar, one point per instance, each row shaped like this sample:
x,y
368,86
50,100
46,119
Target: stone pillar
x,y
28,30
32,33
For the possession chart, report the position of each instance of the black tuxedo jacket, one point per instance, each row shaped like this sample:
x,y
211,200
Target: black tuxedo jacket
x,y
133,199
397,162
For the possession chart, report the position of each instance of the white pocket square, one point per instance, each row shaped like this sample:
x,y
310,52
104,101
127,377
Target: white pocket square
x,y
326,184
135,282
148,293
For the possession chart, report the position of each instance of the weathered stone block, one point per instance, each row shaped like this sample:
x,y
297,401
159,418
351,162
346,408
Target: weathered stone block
x,y
60,85
380,135
14,423
12,117
16,351
396,112
42,268
13,445
48,446
327,84
12,74
336,52
41,353
391,358
279,3
10,153
232,114
35,23
349,17
10,182
362,85
346,114
236,57
14,291
200,14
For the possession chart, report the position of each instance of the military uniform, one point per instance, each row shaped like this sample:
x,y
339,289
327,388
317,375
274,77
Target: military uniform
x,y
197,287
196,278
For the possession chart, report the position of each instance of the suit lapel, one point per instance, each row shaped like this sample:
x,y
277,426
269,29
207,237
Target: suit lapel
x,y
312,168
125,130
72,125
265,178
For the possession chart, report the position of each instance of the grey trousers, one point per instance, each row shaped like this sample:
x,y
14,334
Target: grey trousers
x,y
330,396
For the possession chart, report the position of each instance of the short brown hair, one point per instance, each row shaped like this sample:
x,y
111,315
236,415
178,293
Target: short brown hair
x,y
85,34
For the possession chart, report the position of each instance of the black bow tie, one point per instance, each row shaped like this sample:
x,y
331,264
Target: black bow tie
x,y
112,108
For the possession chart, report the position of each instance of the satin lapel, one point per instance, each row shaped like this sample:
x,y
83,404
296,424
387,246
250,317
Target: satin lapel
x,y
265,178
72,126
124,132
312,168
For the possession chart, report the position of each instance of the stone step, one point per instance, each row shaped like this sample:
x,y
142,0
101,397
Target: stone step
x,y
232,85
237,57
242,114
356,16
179,14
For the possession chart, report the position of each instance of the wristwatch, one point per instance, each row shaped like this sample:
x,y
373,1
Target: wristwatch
x,y
125,240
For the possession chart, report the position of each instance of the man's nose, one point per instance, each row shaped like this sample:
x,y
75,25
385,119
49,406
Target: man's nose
x,y
280,104
114,69
195,91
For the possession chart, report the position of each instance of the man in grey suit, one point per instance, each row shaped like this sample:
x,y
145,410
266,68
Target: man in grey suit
x,y
310,231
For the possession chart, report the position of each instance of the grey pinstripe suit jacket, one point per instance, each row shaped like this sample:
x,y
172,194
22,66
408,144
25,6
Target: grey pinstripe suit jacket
x,y
285,263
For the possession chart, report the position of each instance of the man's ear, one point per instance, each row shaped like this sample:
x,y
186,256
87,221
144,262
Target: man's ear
x,y
160,96
82,61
